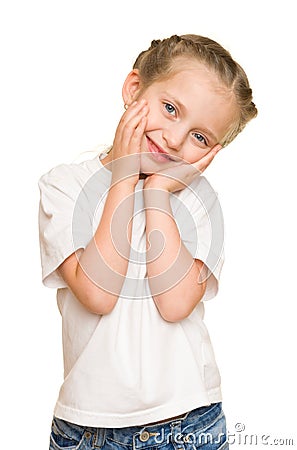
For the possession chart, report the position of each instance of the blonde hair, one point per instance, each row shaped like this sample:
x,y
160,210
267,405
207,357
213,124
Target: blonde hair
x,y
158,63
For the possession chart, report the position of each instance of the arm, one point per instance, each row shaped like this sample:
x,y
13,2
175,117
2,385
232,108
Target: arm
x,y
96,275
173,273
96,279
176,279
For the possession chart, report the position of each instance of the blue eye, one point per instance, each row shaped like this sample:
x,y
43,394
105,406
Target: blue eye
x,y
200,138
170,109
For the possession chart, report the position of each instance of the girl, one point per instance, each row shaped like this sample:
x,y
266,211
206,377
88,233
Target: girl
x,y
133,242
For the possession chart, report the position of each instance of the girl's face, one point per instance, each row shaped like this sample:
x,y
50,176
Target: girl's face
x,y
189,114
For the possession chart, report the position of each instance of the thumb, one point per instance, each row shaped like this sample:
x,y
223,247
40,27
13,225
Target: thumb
x,y
217,148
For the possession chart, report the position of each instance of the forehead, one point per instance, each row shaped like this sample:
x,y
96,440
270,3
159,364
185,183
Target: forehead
x,y
188,75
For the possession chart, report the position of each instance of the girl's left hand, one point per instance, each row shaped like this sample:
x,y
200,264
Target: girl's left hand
x,y
178,177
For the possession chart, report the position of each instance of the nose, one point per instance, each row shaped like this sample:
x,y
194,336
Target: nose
x,y
174,137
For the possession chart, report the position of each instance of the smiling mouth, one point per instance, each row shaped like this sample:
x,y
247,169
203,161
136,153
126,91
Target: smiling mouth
x,y
157,152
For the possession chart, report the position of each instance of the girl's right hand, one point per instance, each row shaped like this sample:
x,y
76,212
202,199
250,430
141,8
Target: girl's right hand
x,y
126,147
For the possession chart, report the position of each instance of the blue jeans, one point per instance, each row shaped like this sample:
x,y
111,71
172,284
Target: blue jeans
x,y
202,428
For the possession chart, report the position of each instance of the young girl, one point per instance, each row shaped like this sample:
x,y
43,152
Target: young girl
x,y
133,241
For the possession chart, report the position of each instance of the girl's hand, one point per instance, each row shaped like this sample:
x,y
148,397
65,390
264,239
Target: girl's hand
x,y
127,142
179,176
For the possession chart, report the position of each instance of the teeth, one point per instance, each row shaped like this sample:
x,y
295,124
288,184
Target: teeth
x,y
159,152
165,156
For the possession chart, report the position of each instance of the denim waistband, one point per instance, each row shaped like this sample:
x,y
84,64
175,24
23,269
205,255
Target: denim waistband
x,y
151,435
143,436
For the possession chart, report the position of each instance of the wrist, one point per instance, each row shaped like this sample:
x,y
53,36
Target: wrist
x,y
124,184
152,182
125,171
156,198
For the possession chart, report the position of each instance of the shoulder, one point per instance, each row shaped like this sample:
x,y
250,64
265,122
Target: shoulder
x,y
68,177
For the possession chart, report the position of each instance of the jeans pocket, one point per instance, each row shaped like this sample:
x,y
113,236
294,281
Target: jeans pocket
x,y
65,435
210,433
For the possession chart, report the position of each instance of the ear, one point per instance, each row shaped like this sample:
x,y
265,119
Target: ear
x,y
131,87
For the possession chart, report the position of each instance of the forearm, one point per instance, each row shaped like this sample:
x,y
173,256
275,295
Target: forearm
x,y
97,279
172,272
102,267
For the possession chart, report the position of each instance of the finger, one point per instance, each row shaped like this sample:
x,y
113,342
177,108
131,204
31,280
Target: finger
x,y
204,162
129,152
127,139
179,176
136,137
132,110
129,125
134,129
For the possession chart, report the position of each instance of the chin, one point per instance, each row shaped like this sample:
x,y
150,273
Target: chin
x,y
147,165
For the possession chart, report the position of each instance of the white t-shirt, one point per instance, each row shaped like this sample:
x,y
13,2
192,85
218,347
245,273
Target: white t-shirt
x,y
129,367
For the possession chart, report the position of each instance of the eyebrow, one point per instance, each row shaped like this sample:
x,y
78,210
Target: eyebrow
x,y
183,108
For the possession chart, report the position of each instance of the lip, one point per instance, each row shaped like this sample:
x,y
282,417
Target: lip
x,y
157,152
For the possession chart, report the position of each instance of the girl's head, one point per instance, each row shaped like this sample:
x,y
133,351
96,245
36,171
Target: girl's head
x,y
198,97
165,57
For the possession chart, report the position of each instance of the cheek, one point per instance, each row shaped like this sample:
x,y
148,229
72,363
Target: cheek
x,y
194,155
154,120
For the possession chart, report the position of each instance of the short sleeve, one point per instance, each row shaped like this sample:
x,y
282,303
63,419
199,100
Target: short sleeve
x,y
201,226
58,194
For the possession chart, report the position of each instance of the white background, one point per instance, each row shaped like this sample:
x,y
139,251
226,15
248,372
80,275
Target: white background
x,y
62,68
